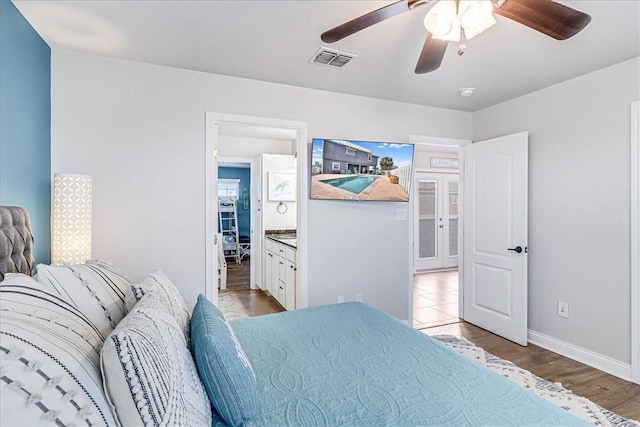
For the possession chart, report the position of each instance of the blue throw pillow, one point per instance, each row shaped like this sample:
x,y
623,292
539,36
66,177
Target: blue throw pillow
x,y
223,366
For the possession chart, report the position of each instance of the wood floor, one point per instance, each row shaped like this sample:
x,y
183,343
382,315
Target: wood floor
x,y
612,393
249,302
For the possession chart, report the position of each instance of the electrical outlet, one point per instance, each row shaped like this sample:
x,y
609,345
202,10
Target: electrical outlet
x,y
563,309
359,297
340,298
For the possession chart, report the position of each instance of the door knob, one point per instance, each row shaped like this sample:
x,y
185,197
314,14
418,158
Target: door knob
x,y
517,249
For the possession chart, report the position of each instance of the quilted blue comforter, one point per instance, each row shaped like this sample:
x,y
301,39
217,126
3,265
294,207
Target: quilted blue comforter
x,y
349,364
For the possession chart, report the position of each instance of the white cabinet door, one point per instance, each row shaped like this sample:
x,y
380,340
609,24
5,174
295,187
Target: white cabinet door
x,y
280,282
268,276
495,236
290,285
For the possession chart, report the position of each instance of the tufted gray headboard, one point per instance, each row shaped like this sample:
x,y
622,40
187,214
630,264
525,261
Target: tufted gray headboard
x,y
16,241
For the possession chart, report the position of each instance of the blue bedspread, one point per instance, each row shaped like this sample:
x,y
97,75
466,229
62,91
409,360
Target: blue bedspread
x,y
351,365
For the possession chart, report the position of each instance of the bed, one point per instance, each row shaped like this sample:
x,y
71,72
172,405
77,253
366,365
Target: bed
x,y
86,345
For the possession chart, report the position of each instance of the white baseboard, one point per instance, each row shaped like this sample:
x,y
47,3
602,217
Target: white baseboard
x,y
588,357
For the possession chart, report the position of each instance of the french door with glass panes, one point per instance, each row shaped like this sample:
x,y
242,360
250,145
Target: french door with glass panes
x,y
436,221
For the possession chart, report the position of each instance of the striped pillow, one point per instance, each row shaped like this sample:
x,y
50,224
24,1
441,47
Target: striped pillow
x,y
50,355
149,374
96,288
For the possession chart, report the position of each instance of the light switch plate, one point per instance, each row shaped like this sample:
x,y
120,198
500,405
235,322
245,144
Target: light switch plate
x,y
401,214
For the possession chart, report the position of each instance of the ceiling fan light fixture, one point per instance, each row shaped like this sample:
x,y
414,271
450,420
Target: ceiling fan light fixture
x,y
442,22
475,16
471,32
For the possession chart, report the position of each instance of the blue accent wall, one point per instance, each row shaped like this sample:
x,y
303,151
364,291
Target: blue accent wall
x,y
244,175
25,124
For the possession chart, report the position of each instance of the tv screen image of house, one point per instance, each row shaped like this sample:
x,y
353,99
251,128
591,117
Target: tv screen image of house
x,y
360,170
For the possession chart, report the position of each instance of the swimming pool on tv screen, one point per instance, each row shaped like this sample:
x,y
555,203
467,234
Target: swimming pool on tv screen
x,y
353,184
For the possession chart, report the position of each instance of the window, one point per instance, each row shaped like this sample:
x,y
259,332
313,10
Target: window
x,y
335,166
229,188
350,151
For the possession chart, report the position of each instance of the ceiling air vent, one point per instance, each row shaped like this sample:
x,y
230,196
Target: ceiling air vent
x,y
332,58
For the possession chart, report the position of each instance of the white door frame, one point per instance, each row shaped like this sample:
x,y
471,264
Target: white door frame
x,y
250,162
635,242
439,143
212,143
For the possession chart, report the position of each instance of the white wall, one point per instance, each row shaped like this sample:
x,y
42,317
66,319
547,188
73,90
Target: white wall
x,y
579,202
271,218
139,130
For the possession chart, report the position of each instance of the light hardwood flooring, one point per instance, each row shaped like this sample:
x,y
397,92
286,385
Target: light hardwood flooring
x,y
614,394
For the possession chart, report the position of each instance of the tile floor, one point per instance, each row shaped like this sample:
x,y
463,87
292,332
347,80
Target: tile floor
x,y
435,299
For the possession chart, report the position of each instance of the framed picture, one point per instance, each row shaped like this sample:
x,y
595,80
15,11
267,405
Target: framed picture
x,y
282,187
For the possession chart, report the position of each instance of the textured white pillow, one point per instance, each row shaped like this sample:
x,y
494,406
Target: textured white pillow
x,y
167,292
49,359
149,374
96,288
23,279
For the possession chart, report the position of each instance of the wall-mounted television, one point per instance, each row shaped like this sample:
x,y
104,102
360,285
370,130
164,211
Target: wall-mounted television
x,y
360,170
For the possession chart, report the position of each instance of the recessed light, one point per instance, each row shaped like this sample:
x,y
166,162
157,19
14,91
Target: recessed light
x,y
466,91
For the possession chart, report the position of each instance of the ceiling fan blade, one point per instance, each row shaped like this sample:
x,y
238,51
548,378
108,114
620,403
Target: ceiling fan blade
x,y
369,19
431,55
553,19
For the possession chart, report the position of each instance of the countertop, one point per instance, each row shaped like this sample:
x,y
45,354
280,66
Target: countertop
x,y
290,240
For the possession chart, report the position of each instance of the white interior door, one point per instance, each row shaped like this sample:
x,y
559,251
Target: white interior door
x,y
495,236
436,227
449,223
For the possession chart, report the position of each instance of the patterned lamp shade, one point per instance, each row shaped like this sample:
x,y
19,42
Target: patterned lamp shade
x,y
71,219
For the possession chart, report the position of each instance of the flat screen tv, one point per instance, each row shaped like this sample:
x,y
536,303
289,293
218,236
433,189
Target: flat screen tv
x,y
360,170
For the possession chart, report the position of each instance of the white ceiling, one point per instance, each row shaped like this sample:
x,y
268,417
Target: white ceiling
x,y
273,41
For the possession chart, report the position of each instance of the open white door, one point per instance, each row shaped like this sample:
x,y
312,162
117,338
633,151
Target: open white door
x,y
495,235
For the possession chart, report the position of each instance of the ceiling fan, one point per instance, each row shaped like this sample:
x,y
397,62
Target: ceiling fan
x,y
459,20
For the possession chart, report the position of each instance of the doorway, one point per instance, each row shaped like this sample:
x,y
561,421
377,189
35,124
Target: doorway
x,y
234,184
220,124
437,297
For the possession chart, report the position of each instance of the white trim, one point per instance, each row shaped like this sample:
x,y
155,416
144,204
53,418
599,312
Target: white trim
x,y
635,242
211,132
453,145
211,182
588,357
437,140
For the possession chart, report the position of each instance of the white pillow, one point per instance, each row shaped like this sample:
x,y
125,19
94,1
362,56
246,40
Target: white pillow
x,y
167,292
149,374
49,359
96,288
